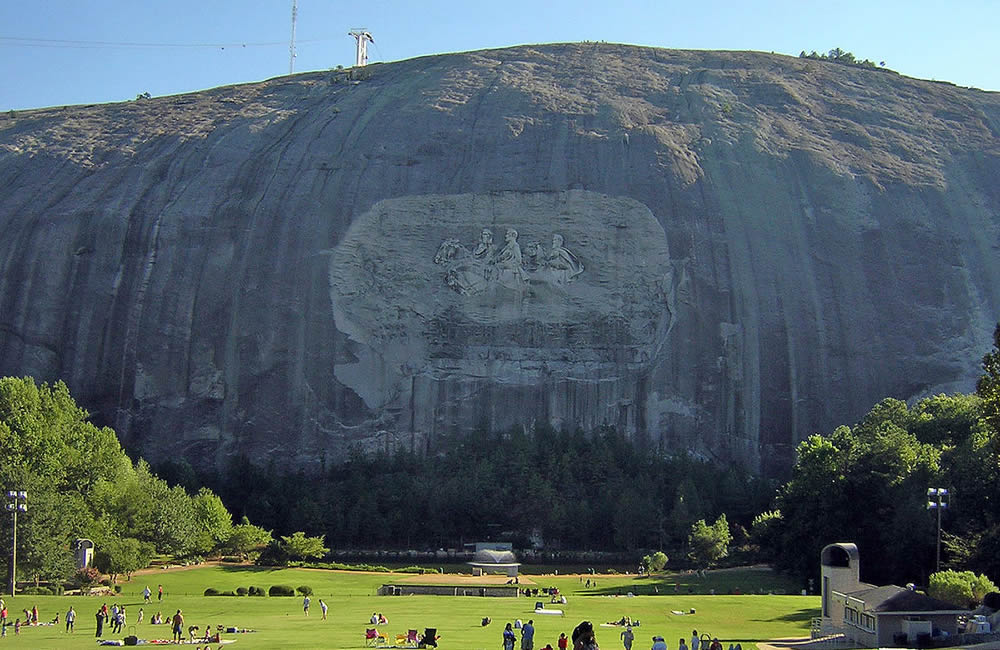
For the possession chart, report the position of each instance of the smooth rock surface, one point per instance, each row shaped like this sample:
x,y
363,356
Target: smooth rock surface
x,y
751,248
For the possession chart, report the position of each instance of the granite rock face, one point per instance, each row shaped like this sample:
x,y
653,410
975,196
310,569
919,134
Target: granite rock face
x,y
716,252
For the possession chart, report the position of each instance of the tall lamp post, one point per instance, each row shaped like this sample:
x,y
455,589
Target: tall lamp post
x,y
17,501
938,499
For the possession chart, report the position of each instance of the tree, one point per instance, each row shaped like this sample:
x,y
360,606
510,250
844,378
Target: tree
x,y
709,544
962,588
988,386
655,562
247,538
122,555
300,547
212,521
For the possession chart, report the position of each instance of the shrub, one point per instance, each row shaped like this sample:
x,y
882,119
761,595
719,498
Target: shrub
x,y
37,591
255,591
963,588
228,592
118,589
281,590
305,590
242,591
211,591
86,578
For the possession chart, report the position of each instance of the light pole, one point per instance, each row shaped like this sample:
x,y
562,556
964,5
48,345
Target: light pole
x,y
17,501
938,499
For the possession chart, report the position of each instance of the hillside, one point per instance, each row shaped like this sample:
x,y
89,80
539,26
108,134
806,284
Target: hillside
x,y
752,248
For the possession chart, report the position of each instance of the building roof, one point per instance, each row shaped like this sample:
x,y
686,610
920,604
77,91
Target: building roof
x,y
892,599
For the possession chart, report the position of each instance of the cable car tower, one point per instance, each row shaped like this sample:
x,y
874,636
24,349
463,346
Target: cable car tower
x,y
291,45
363,37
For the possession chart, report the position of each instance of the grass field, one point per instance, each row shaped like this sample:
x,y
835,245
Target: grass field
x,y
280,622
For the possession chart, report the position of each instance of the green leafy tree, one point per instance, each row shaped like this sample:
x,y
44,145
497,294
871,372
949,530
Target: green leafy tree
x,y
213,522
247,538
655,561
988,386
300,547
962,588
122,555
709,544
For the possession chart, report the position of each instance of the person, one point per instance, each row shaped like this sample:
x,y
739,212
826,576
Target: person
x,y
681,644
146,593
70,618
715,644
100,622
627,637
17,627
178,625
382,620
583,637
374,619
139,617
508,638
563,642
159,592
34,614
322,607
658,643
528,635
3,614
695,641
305,605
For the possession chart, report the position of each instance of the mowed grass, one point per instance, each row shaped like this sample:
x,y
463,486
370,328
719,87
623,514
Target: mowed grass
x,y
280,622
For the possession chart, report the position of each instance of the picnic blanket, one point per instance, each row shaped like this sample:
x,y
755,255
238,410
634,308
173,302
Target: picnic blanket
x,y
118,642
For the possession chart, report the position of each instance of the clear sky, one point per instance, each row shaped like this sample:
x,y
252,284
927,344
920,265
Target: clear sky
x,y
58,52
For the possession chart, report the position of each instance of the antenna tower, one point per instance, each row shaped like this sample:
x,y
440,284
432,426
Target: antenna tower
x,y
291,45
363,37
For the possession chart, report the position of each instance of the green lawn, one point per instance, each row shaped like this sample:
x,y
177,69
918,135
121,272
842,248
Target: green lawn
x,y
280,622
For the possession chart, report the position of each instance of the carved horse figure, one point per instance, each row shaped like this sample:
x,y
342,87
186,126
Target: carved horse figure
x,y
463,273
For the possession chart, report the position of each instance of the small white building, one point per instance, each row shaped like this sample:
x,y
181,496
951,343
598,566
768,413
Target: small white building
x,y
878,617
83,552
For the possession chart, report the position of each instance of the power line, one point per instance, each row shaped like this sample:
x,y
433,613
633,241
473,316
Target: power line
x,y
55,43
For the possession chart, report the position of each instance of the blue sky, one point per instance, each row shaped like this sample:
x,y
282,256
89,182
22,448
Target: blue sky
x,y
58,52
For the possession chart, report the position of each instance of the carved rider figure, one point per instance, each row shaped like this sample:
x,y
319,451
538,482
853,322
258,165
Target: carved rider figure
x,y
564,265
510,272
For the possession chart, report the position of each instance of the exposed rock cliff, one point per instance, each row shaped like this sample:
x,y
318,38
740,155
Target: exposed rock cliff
x,y
718,252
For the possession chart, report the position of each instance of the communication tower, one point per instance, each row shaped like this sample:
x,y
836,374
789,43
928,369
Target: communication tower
x,y
363,37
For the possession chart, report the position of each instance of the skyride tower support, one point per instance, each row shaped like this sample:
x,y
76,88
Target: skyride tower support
x,y
363,37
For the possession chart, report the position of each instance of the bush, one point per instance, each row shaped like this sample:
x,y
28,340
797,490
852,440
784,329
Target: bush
x,y
211,591
242,591
118,589
962,588
305,590
86,578
37,591
228,592
281,590
255,591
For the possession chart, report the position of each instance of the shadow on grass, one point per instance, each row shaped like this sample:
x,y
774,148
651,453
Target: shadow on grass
x,y
800,616
251,568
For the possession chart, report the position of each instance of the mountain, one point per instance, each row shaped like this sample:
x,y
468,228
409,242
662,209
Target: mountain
x,y
716,252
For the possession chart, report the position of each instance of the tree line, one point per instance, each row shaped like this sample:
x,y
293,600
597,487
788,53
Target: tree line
x,y
80,484
575,490
869,483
